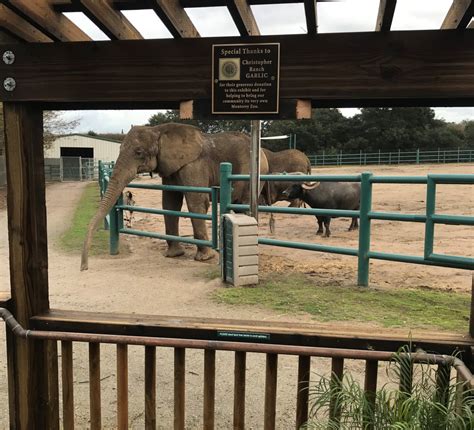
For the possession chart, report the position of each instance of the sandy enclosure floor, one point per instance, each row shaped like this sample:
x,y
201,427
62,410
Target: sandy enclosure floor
x,y
146,282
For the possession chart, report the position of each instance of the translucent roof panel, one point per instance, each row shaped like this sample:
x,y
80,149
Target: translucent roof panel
x,y
86,25
280,18
420,14
147,22
347,16
212,21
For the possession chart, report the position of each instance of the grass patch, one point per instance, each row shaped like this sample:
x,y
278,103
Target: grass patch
x,y
73,238
414,308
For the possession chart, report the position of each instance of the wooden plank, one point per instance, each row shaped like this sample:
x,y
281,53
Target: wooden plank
x,y
459,15
122,387
53,24
112,22
322,335
150,388
385,15
175,18
337,373
53,383
471,315
271,375
243,17
94,386
209,388
179,388
22,29
311,13
28,250
385,68
67,385
239,390
370,388
302,395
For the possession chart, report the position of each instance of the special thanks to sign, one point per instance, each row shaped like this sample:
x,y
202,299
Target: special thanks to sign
x,y
246,78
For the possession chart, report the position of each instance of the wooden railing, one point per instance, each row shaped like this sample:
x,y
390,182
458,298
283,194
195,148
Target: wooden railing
x,y
272,352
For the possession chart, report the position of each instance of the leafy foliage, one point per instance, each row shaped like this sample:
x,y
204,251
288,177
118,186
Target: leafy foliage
x,y
434,401
55,125
373,129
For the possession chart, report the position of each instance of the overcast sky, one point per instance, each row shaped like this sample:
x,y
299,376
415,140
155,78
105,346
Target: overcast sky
x,y
345,16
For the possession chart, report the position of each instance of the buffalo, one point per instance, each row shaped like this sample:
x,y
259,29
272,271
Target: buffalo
x,y
327,195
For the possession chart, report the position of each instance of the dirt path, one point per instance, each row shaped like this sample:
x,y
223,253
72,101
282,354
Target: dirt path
x,y
146,282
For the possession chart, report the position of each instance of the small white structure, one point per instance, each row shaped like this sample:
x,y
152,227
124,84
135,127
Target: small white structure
x,y
85,146
239,249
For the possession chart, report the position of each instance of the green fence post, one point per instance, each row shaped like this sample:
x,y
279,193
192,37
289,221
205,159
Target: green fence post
x,y
215,220
226,188
323,157
430,210
364,229
114,232
418,156
120,212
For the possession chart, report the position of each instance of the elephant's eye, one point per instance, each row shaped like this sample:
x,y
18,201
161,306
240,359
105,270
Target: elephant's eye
x,y
140,153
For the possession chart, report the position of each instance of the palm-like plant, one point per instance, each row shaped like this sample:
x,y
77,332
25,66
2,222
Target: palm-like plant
x,y
427,399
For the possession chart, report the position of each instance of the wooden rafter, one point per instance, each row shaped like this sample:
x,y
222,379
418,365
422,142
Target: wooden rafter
x,y
174,17
385,15
459,15
243,17
20,28
112,22
310,10
41,15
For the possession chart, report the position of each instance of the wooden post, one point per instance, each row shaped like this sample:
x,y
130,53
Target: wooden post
x,y
471,318
28,369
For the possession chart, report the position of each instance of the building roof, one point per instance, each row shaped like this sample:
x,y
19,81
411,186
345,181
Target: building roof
x,y
91,137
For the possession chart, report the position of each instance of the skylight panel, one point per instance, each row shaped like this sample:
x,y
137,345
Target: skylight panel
x,y
213,21
347,16
420,15
147,22
283,18
86,25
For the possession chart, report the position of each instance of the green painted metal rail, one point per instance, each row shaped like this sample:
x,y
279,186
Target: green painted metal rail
x,y
365,215
114,221
418,156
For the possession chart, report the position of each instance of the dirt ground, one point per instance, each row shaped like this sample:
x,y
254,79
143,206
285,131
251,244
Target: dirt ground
x,y
146,282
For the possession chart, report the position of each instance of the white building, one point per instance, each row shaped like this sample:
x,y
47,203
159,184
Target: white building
x,y
85,146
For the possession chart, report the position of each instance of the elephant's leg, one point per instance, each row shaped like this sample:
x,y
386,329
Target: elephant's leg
x,y
327,222
173,200
199,203
353,225
320,225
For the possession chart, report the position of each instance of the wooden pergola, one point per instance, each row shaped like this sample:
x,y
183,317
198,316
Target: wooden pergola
x,y
49,63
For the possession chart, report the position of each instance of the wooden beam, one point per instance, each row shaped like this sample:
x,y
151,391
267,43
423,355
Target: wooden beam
x,y
243,17
339,69
112,22
311,12
385,15
459,15
175,18
28,263
42,16
20,28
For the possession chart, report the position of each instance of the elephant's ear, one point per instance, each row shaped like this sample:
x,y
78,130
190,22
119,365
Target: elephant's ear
x,y
180,144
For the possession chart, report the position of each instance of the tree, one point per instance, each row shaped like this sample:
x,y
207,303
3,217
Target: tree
x,y
55,125
207,126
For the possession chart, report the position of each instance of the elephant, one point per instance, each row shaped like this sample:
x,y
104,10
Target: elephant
x,y
289,160
182,155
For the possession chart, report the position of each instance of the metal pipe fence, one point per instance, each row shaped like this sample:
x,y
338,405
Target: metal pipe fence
x,y
437,156
114,221
365,215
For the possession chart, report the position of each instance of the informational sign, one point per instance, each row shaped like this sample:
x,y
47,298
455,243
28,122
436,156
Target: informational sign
x,y
246,78
239,335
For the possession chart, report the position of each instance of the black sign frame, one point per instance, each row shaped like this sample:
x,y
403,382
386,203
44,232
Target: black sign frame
x,y
232,68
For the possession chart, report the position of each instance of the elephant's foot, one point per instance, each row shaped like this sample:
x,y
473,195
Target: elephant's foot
x,y
319,233
204,254
174,250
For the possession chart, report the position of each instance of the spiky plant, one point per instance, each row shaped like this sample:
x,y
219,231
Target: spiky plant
x,y
427,399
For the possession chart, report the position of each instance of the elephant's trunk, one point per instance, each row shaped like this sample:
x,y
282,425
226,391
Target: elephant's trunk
x,y
122,175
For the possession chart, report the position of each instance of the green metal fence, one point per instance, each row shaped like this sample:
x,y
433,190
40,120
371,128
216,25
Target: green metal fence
x,y
115,217
366,215
418,156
